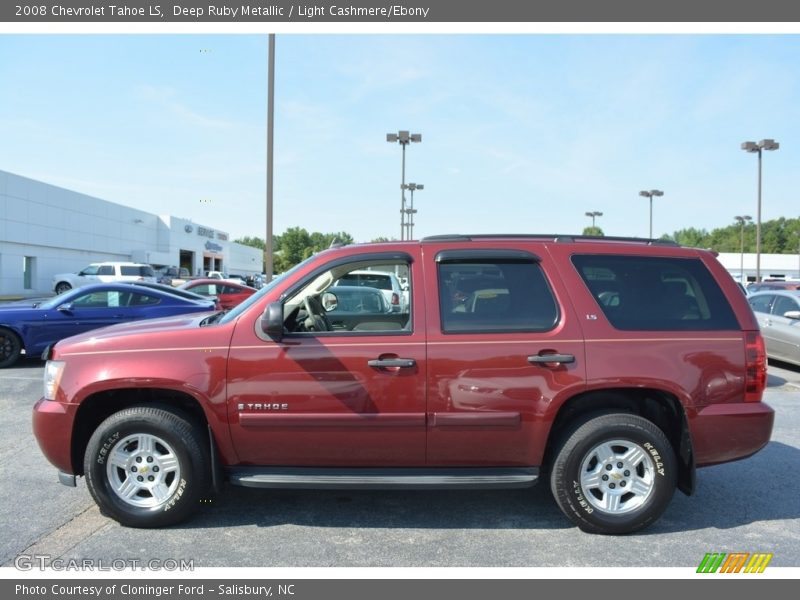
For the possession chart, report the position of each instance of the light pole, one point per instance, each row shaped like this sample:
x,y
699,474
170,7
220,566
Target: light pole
x,y
742,219
650,194
403,138
593,214
754,148
412,187
268,241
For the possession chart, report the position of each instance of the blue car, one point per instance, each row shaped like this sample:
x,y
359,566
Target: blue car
x,y
34,325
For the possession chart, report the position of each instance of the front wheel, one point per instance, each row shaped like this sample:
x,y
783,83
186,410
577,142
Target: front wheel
x,y
10,347
614,474
147,467
62,287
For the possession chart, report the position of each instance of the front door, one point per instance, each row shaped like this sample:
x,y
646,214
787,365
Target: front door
x,y
326,396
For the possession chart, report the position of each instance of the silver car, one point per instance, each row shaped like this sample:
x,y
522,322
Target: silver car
x,y
778,314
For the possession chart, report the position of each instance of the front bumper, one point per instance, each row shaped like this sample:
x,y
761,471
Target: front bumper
x,y
52,427
726,432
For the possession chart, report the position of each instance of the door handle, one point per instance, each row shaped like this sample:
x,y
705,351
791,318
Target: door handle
x,y
539,359
384,363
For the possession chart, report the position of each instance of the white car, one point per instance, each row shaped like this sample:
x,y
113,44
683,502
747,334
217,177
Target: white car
x,y
104,272
387,283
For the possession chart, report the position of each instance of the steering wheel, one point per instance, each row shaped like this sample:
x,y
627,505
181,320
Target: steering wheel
x,y
316,319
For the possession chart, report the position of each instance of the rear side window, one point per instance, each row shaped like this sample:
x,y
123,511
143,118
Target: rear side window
x,y
134,271
761,303
783,305
640,293
499,296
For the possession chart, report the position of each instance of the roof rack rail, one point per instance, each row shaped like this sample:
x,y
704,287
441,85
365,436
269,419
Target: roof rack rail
x,y
557,237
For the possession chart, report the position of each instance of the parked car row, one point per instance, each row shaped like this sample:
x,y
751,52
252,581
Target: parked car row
x,y
103,272
33,327
778,313
108,272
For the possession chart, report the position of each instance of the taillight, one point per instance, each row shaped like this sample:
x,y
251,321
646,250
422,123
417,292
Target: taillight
x,y
756,366
395,299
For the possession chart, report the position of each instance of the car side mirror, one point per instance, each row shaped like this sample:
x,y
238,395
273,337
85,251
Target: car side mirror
x,y
272,321
329,301
65,308
792,314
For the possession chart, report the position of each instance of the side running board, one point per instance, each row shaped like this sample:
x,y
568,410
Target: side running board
x,y
382,479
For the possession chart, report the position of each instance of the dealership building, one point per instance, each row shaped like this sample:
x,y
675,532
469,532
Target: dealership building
x,y
45,230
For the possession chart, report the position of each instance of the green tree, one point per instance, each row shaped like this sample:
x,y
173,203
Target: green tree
x,y
778,236
593,231
696,238
253,242
297,244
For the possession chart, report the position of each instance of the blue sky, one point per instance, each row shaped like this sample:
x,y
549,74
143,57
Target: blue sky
x,y
521,133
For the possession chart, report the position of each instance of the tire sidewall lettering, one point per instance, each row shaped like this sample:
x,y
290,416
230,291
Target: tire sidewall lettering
x,y
580,498
109,443
656,456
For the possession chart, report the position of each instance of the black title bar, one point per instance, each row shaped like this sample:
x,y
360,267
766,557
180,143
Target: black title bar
x,y
404,11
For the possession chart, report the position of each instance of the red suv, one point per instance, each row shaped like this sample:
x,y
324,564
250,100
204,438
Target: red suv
x,y
610,367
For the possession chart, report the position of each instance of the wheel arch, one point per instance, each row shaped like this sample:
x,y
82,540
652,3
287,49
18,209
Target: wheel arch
x,y
97,407
658,406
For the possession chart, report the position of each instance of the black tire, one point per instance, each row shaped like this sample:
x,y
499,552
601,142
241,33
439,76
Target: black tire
x,y
173,440
62,286
10,347
643,485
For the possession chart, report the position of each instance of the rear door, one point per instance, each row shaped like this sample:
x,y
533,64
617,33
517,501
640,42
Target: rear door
x,y
503,346
784,332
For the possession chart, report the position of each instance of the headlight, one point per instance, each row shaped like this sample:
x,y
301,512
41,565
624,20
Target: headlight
x,y
52,378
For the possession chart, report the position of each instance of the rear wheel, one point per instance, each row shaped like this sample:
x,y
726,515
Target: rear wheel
x,y
62,286
614,474
147,467
10,347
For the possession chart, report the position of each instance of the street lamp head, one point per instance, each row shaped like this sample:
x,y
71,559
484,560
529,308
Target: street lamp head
x,y
769,144
420,186
651,193
750,147
404,137
742,219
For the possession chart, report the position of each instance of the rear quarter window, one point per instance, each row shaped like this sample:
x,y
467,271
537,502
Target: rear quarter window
x,y
644,293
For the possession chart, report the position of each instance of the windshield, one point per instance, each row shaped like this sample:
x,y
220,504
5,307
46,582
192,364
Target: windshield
x,y
240,308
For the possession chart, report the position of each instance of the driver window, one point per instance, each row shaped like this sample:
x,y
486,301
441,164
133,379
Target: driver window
x,y
361,297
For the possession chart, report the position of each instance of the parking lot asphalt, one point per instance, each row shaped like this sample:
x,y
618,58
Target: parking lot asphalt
x,y
748,506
